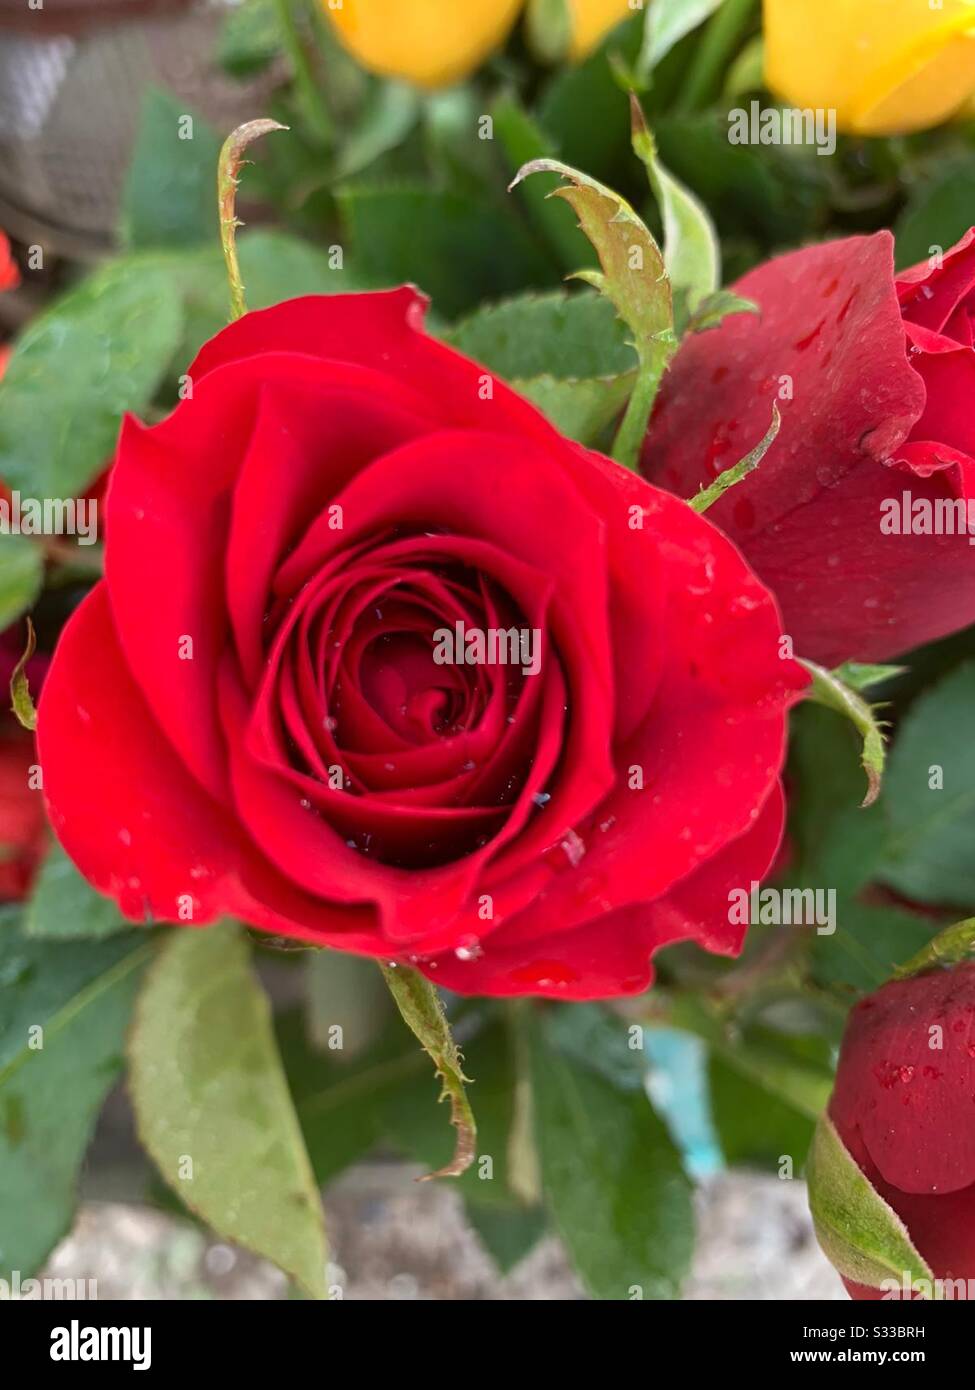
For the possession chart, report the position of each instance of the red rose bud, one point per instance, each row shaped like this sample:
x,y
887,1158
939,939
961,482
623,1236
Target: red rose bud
x,y
904,1108
256,712
856,518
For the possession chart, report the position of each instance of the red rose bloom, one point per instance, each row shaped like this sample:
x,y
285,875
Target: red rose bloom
x,y
248,715
875,378
903,1108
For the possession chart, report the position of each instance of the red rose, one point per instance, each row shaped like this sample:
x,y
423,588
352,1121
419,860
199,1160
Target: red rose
x,y
903,1108
339,489
883,404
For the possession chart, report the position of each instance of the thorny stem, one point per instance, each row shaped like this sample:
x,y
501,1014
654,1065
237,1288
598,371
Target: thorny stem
x,y
228,178
419,1004
633,427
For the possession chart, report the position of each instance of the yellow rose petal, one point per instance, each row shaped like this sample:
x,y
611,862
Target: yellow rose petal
x,y
593,19
430,42
885,66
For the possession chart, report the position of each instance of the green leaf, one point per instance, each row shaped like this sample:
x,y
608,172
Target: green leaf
x,y
21,576
565,336
829,690
392,112
862,1237
64,906
107,345
633,278
21,700
692,253
339,1099
275,266
756,1127
860,676
548,29
593,1037
764,1058
460,251
839,846
938,211
768,1089
250,38
746,73
507,1233
582,410
169,197
667,22
612,1180
930,801
64,1009
713,309
453,149
423,1013
212,1103
567,353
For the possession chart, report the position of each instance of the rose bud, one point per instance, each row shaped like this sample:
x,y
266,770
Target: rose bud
x,y
253,714
436,42
885,66
875,379
902,1108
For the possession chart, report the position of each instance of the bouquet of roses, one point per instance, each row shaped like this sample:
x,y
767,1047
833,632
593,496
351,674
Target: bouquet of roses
x,y
551,595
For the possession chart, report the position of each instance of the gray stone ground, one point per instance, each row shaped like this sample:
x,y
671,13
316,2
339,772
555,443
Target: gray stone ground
x,y
392,1238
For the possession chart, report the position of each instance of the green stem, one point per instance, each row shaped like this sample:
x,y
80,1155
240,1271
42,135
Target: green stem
x,y
310,91
827,689
524,1177
21,702
721,39
950,947
633,427
422,1011
228,178
709,495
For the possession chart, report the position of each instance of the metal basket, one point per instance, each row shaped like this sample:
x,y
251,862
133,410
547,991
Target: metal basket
x,y
72,79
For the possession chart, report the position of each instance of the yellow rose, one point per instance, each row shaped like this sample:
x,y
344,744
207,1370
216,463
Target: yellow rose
x,y
592,20
436,42
886,66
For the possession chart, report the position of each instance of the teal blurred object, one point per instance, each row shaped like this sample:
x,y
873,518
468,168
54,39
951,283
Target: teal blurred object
x,y
678,1086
